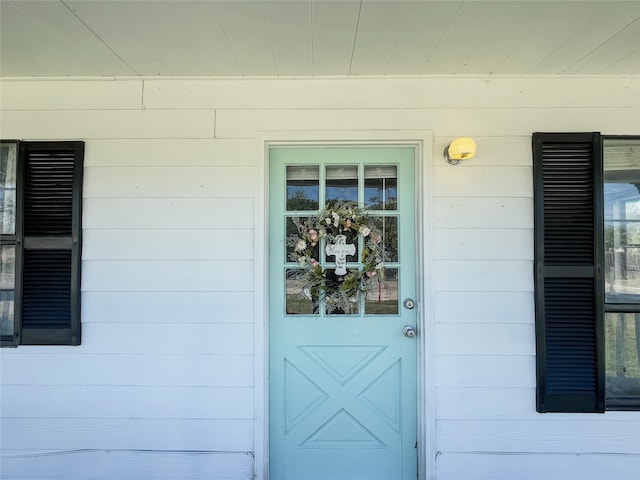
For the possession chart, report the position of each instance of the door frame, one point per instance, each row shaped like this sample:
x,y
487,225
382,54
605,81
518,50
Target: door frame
x,y
423,143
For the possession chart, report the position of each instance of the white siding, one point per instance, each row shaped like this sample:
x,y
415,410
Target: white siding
x,y
163,383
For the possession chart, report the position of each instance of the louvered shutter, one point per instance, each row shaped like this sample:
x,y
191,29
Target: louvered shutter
x,y
51,175
567,181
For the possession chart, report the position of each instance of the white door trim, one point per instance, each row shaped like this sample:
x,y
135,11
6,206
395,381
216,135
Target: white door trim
x,y
423,142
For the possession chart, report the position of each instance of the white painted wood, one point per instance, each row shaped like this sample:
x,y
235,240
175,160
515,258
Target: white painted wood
x,y
424,25
485,339
476,20
392,93
480,181
483,244
333,26
83,124
291,57
167,276
168,153
167,182
127,370
126,401
482,276
524,466
167,307
482,122
165,244
593,34
483,307
492,151
221,213
466,371
379,26
71,95
469,212
126,464
200,29
246,31
558,26
483,403
127,433
224,337
546,434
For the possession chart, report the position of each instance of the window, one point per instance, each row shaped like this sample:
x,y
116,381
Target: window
x,y
40,242
587,271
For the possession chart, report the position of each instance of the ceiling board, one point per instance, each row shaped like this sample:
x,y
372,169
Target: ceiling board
x,y
512,28
595,32
425,24
200,29
70,37
333,28
613,51
471,23
159,34
378,30
291,41
109,20
244,26
626,66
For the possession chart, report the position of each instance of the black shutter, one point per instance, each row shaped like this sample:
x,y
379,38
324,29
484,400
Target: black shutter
x,y
567,172
51,176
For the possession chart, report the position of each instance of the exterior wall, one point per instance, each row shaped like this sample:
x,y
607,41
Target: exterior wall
x,y
164,384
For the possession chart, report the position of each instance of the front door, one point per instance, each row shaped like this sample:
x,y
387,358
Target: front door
x,y
342,375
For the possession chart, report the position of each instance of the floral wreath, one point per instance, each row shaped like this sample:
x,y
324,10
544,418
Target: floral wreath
x,y
341,294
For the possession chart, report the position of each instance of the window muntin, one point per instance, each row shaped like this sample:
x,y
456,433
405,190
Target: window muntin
x,y
621,203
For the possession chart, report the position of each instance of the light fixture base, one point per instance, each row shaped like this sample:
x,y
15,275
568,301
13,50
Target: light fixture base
x,y
450,160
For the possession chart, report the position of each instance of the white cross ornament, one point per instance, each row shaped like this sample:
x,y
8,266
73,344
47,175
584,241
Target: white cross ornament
x,y
341,249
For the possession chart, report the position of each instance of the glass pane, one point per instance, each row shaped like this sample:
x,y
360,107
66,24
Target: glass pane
x,y
8,188
388,227
299,296
303,188
622,220
380,187
341,184
382,299
301,239
337,300
7,286
622,356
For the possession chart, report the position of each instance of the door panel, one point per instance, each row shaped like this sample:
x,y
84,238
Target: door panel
x,y
343,386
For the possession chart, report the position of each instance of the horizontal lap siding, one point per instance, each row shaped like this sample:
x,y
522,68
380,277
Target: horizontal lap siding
x,y
166,366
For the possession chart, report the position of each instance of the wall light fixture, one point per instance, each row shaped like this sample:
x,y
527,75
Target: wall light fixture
x,y
460,149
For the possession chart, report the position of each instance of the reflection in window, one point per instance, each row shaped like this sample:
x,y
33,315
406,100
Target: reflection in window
x,y
8,154
380,187
299,298
302,187
7,287
382,299
622,220
341,184
622,356
388,227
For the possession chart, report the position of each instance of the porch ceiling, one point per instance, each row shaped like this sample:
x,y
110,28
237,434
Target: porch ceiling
x,y
318,37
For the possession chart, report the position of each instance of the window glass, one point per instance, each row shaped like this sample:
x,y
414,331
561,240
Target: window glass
x,y
7,286
382,299
622,356
622,220
303,187
342,184
380,187
8,153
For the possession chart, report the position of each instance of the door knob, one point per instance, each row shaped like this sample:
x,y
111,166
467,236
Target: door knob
x,y
409,304
408,331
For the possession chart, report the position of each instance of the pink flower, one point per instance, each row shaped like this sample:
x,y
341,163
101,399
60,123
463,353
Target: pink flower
x,y
371,274
377,238
313,235
314,263
348,223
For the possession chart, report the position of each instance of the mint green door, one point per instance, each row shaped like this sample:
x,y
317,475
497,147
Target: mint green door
x,y
342,383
